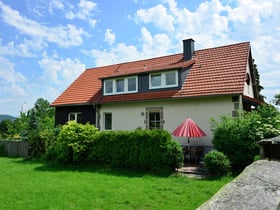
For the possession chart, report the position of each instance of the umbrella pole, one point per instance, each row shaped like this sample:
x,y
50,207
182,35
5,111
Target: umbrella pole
x,y
189,155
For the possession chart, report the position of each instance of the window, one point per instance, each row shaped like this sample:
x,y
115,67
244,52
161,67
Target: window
x,y
170,78
164,79
108,86
108,121
154,118
131,84
120,85
75,116
156,80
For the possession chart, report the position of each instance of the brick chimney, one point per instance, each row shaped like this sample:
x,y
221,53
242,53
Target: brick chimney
x,y
188,49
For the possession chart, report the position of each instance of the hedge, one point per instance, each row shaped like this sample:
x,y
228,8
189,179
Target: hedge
x,y
140,149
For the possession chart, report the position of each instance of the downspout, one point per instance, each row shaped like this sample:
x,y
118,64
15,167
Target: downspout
x,y
97,116
240,103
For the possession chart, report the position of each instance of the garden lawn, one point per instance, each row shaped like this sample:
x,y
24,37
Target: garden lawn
x,y
33,185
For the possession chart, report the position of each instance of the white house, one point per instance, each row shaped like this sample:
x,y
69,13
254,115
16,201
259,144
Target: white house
x,y
161,92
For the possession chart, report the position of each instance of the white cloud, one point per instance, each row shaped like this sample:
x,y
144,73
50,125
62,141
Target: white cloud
x,y
85,11
92,22
12,83
157,15
59,72
156,45
151,46
23,49
109,36
117,54
64,36
55,5
213,23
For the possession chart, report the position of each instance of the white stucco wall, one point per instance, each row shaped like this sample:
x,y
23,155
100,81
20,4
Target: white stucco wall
x,y
248,89
129,116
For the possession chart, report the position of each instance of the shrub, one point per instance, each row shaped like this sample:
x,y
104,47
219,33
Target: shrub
x,y
144,150
217,163
139,149
2,150
74,140
237,137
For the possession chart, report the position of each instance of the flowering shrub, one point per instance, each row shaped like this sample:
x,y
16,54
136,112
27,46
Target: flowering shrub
x,y
217,163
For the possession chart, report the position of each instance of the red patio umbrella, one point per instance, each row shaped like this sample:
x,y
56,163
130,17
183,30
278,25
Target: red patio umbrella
x,y
189,129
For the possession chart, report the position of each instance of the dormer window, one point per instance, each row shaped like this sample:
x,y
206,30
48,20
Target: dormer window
x,y
120,85
163,79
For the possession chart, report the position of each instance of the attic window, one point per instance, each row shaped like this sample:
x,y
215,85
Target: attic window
x,y
121,85
248,78
163,79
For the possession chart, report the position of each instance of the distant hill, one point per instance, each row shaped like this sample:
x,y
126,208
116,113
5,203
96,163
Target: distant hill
x,y
5,116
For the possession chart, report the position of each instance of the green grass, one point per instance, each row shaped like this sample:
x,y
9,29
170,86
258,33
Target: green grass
x,y
32,185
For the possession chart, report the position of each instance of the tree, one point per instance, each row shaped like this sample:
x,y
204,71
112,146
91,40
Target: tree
x,y
18,129
237,137
4,127
258,83
40,129
276,99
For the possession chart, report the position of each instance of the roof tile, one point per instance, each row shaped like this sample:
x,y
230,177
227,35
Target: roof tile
x,y
214,71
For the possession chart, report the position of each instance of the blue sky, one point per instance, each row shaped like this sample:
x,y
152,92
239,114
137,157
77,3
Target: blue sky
x,y
45,45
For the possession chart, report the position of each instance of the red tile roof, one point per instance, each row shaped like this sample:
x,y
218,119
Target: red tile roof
x,y
214,71
217,71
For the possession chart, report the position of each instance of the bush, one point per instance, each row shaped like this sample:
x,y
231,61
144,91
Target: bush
x,y
2,150
139,149
74,140
146,150
237,137
217,163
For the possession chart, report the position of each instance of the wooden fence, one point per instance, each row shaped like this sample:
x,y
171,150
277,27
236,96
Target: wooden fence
x,y
15,148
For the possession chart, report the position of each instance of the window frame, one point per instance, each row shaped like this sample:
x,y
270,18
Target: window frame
x,y
115,90
105,121
77,117
163,82
161,120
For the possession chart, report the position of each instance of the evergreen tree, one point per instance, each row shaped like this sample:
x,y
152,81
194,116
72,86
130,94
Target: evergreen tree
x,y
276,100
258,83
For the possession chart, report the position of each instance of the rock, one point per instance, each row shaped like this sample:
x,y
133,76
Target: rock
x,y
257,187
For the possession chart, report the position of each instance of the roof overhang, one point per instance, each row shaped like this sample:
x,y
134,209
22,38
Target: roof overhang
x,y
252,101
74,104
275,140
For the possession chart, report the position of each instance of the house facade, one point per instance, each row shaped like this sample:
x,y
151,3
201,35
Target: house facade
x,y
161,92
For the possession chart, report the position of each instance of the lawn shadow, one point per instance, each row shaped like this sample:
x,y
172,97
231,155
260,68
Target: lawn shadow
x,y
94,168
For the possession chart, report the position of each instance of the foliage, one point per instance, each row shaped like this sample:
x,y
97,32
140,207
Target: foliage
x,y
74,141
139,149
2,150
18,128
237,137
4,128
35,126
269,126
40,130
276,99
217,163
258,84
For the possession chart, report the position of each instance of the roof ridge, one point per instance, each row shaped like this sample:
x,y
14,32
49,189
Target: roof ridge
x,y
223,46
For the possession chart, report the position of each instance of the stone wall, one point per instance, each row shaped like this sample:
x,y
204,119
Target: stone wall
x,y
257,187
